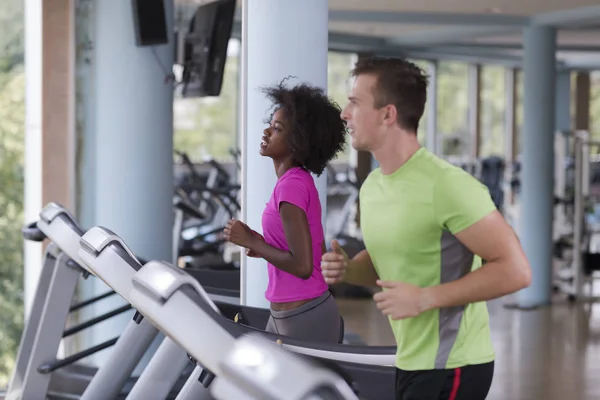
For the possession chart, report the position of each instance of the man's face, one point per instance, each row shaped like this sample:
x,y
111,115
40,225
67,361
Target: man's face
x,y
365,122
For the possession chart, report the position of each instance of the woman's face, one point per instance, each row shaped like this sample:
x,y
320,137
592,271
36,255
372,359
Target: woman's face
x,y
274,142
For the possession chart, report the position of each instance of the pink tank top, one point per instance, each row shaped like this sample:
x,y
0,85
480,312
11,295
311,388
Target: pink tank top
x,y
297,187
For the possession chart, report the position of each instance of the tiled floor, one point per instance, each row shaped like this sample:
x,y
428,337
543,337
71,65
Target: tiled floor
x,y
551,353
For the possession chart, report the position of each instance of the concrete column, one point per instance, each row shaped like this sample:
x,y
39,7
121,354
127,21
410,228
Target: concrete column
x,y
535,224
125,141
563,100
510,115
279,39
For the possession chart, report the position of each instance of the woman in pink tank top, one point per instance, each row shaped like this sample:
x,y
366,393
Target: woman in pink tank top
x,y
304,134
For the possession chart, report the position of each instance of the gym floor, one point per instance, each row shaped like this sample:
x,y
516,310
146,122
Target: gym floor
x,y
550,353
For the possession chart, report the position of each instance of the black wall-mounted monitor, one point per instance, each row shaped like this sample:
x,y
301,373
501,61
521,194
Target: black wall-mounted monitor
x,y
150,22
205,49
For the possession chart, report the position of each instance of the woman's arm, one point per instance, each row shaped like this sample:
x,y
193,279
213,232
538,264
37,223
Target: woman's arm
x,y
298,261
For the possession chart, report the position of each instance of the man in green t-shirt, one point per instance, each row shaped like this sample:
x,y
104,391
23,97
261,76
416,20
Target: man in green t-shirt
x,y
426,225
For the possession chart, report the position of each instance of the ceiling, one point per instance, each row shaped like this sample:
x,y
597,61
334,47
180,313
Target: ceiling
x,y
506,7
486,31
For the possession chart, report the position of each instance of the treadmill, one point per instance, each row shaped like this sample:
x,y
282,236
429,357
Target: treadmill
x,y
37,373
176,303
257,369
106,256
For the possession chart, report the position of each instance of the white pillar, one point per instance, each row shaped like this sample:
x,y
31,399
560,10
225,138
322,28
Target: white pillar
x,y
132,144
537,170
33,143
279,39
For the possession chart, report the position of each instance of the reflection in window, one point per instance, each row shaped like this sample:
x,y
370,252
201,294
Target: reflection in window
x,y
339,66
453,103
493,101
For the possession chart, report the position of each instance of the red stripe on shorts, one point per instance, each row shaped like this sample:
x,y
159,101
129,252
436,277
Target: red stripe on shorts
x,y
455,385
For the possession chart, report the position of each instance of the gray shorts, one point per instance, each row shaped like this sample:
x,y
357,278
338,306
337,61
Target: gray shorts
x,y
319,320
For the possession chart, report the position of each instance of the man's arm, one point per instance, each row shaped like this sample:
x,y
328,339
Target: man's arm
x,y
337,268
361,270
506,270
463,206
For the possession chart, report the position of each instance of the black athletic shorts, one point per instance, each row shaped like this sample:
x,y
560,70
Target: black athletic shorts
x,y
471,382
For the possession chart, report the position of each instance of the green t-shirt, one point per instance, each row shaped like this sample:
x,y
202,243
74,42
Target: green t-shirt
x,y
408,220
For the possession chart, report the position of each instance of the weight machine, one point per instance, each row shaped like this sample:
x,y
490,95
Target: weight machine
x,y
575,231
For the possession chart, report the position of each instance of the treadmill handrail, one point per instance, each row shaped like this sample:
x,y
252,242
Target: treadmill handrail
x,y
270,372
98,238
33,233
52,210
160,280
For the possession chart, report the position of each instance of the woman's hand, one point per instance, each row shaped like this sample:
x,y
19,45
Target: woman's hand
x,y
239,233
250,252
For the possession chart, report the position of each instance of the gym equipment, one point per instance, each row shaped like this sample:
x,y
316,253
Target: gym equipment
x,y
256,369
157,379
574,228
104,253
342,196
44,330
492,176
208,188
179,306
107,257
37,373
182,208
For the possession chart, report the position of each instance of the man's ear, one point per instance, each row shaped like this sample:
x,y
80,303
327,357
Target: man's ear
x,y
390,114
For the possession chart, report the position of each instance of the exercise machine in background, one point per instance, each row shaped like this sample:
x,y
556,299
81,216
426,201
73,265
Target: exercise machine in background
x,y
576,215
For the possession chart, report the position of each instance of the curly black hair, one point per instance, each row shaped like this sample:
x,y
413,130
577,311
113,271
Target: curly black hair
x,y
316,132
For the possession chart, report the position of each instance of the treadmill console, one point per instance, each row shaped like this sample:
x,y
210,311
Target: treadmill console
x,y
258,369
161,280
53,210
98,238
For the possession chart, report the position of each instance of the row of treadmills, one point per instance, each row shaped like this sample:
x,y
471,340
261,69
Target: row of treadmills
x,y
212,349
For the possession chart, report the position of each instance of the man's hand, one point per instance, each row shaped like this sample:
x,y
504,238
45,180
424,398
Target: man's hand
x,y
400,300
334,264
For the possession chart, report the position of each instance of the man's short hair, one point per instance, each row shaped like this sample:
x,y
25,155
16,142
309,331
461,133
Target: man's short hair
x,y
399,82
